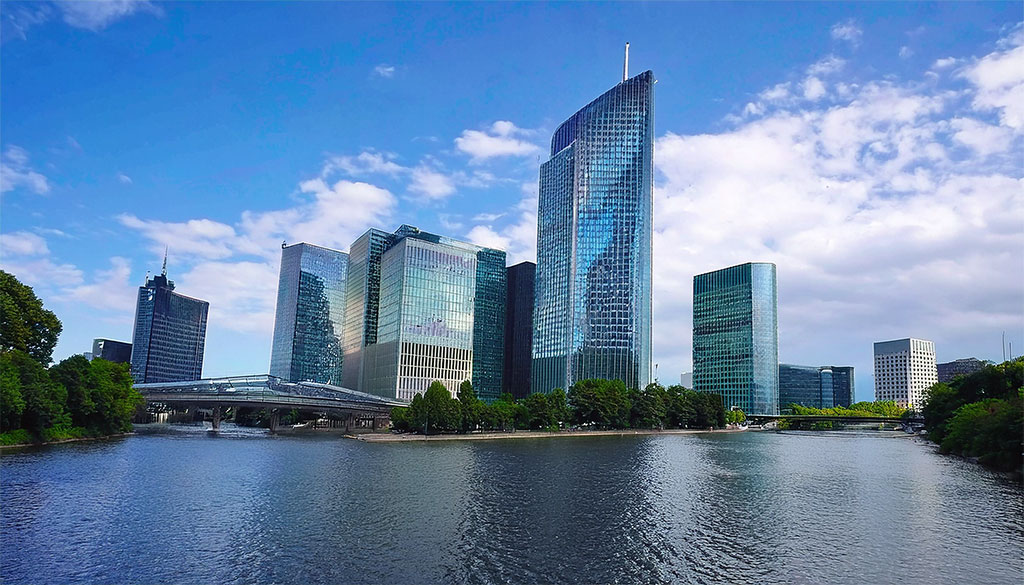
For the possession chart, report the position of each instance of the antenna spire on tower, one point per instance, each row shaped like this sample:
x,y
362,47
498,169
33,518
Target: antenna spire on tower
x,y
625,65
163,272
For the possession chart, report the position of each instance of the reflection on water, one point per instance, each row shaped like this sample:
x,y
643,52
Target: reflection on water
x,y
178,505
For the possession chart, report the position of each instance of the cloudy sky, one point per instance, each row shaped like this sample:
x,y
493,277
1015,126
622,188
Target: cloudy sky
x,y
874,152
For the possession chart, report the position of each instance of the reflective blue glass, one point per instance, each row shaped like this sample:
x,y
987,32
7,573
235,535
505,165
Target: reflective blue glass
x,y
735,336
593,284
170,334
308,327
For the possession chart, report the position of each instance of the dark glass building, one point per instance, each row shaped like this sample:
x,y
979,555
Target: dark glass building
x,y
843,393
593,285
170,334
815,386
518,328
424,307
735,336
310,315
961,367
112,351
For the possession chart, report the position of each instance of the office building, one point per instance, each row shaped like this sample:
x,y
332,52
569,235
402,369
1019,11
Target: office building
x,y
423,307
735,336
686,380
592,317
310,315
904,370
170,333
813,386
112,351
843,391
518,329
962,367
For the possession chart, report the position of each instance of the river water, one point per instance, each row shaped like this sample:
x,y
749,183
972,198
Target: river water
x,y
175,505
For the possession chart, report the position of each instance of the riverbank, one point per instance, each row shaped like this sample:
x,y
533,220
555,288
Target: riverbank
x,y
406,437
62,441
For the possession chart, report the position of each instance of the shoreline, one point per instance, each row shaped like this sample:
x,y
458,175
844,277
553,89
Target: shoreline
x,y
408,437
62,441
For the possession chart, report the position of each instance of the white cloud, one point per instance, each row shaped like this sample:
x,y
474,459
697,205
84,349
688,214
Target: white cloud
x,y
503,139
110,289
15,172
26,256
847,31
124,179
484,235
385,70
22,244
365,163
999,81
488,216
906,52
984,138
96,16
944,63
813,88
202,238
826,66
242,295
430,183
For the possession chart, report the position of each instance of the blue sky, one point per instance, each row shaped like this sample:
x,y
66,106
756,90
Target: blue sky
x,y
873,151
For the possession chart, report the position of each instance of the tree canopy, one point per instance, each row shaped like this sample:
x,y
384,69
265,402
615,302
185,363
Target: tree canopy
x,y
24,324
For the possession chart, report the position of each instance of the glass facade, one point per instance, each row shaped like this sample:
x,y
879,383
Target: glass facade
x,y
310,316
592,317
170,334
735,336
842,385
815,386
430,315
112,351
519,329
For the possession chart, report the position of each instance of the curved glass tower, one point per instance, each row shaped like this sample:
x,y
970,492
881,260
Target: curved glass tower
x,y
592,317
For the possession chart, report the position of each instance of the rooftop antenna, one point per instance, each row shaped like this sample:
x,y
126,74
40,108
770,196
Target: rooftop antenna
x,y
163,272
625,65
147,277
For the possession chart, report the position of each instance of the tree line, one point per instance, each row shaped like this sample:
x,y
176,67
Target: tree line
x,y
600,404
73,399
980,415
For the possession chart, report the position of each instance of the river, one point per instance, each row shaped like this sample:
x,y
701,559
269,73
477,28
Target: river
x,y
175,505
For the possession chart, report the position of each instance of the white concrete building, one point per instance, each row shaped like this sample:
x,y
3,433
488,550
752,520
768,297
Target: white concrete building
x,y
904,369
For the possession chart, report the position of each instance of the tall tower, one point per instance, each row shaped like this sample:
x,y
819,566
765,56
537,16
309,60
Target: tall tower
x,y
310,315
170,333
904,370
592,317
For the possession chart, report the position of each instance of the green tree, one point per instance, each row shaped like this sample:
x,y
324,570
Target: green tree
x,y
44,399
24,324
73,374
559,406
470,407
12,405
539,414
436,411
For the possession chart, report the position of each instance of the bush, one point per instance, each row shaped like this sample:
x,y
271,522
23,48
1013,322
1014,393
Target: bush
x,y
16,437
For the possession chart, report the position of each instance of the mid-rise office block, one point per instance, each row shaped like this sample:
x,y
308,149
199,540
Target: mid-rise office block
x,y
111,350
518,328
735,336
593,285
170,333
843,392
811,386
962,367
904,370
411,296
310,315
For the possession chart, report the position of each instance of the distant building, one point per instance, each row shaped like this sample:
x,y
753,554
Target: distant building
x,y
904,369
112,351
170,333
811,386
310,315
518,329
686,380
594,222
962,367
735,336
843,391
423,307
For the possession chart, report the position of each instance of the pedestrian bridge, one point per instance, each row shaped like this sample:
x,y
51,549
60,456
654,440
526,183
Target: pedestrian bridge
x,y
273,394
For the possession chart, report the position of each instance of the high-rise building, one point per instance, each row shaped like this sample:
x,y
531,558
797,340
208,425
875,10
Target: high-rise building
x,y
593,289
735,336
843,392
518,329
961,367
812,386
310,315
904,369
170,333
423,307
686,380
111,350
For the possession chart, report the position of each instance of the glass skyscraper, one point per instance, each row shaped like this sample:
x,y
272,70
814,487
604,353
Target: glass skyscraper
x,y
843,393
519,329
423,307
593,286
310,315
735,336
170,334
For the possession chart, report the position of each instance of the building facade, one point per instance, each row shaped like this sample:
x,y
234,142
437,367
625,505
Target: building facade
x,y
811,386
904,370
735,336
310,315
518,329
961,367
111,350
423,307
592,316
170,334
843,391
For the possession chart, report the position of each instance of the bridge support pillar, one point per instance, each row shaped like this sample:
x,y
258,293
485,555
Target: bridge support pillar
x,y
348,422
216,418
275,419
